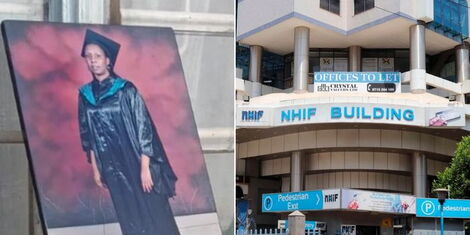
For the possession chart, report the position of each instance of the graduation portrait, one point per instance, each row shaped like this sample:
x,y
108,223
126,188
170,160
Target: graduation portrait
x,y
109,130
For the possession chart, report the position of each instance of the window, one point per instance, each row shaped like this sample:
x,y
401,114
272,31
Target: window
x,y
330,5
450,18
243,60
385,60
362,5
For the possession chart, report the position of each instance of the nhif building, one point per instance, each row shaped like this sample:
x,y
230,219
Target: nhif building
x,y
347,109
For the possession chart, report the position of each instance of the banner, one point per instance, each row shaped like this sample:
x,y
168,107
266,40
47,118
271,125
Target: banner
x,y
453,208
445,117
309,225
376,201
313,113
305,200
372,82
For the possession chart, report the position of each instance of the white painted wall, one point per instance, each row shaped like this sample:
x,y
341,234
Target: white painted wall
x,y
249,16
252,14
311,8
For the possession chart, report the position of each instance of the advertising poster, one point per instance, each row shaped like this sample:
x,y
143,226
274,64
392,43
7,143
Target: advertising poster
x,y
445,117
375,201
353,82
109,129
309,225
242,216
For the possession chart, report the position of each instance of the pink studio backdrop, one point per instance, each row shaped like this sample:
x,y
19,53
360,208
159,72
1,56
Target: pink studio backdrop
x,y
49,70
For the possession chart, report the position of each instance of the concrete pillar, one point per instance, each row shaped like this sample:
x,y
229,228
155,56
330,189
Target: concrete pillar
x,y
83,11
63,11
419,174
296,223
355,58
462,67
297,172
301,48
256,53
418,58
462,62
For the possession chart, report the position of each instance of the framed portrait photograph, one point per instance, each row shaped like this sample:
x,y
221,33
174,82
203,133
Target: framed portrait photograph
x,y
109,130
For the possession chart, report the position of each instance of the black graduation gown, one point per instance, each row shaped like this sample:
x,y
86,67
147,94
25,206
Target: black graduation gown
x,y
116,125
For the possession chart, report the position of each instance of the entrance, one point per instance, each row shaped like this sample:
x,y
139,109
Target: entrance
x,y
367,230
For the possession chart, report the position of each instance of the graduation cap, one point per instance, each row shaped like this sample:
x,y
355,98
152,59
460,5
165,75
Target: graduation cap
x,y
110,47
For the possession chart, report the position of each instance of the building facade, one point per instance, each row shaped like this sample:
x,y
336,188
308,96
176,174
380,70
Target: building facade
x,y
336,94
204,34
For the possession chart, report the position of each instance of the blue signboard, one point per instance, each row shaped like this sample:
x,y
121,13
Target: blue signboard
x,y
279,202
309,225
357,77
453,208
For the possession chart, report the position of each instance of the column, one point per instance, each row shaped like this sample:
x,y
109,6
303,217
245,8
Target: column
x,y
83,11
256,53
296,223
296,172
419,174
355,58
418,58
462,66
63,11
301,48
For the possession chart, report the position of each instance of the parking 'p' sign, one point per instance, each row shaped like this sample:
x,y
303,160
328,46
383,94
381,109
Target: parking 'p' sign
x,y
453,208
428,208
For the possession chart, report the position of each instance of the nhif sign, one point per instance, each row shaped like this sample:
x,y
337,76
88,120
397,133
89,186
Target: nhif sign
x,y
453,208
279,202
252,115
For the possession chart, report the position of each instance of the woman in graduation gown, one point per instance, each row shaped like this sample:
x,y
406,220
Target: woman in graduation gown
x,y
122,144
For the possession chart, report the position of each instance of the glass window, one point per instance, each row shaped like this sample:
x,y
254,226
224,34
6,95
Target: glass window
x,y
385,60
448,72
243,60
450,18
363,5
272,70
330,5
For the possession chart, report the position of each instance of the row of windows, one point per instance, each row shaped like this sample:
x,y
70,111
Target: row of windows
x,y
277,70
359,5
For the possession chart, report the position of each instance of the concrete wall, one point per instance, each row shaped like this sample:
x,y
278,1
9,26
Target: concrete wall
x,y
360,180
249,13
249,17
346,138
